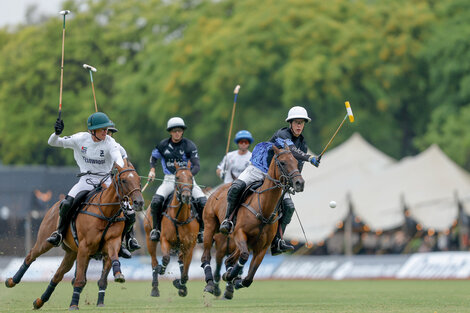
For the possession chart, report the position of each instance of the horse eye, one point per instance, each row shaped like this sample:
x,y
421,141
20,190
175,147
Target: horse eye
x,y
283,163
124,181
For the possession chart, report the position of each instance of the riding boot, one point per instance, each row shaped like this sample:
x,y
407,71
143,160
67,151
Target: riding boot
x,y
128,235
64,219
157,208
200,204
233,196
278,245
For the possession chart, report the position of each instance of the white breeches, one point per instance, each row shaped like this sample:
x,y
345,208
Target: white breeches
x,y
252,174
84,185
168,186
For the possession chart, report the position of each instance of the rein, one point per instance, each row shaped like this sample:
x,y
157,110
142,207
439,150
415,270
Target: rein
x,y
284,182
123,202
179,189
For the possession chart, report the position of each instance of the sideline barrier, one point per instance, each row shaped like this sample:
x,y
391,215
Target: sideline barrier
x,y
437,265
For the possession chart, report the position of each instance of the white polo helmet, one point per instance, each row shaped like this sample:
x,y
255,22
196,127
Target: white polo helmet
x,y
297,112
175,122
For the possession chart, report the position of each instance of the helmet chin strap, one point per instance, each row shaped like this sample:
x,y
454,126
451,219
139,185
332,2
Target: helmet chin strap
x,y
93,133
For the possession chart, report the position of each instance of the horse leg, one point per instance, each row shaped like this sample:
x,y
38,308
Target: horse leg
x,y
219,257
180,284
41,246
165,247
112,247
206,257
255,262
152,249
230,263
80,278
103,282
240,240
65,266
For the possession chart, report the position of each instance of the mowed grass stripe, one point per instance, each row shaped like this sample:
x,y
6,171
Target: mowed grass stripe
x,y
262,296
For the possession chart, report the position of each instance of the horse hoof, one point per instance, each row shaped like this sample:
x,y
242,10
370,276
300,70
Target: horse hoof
x,y
100,305
238,284
10,283
225,276
155,292
119,278
227,295
217,291
73,308
210,289
38,303
183,292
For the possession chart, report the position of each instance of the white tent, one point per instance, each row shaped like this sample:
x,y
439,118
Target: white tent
x,y
428,184
341,168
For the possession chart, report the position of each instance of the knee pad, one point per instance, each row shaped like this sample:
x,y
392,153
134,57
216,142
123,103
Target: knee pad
x,y
288,209
65,205
157,203
236,189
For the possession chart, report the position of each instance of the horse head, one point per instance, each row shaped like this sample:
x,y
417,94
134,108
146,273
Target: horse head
x,y
287,170
183,183
127,184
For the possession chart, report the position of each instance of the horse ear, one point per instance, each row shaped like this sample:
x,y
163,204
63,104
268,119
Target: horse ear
x,y
176,165
189,164
276,150
115,170
286,147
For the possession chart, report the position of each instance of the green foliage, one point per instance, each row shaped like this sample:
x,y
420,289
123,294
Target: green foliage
x,y
398,63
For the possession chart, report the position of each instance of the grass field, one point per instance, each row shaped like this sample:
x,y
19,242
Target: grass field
x,y
262,296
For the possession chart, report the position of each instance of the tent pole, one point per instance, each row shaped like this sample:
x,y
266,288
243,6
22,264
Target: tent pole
x,y
463,231
348,229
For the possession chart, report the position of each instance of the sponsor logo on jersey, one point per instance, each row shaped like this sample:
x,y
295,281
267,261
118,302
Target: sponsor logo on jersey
x,y
101,153
93,161
167,152
84,149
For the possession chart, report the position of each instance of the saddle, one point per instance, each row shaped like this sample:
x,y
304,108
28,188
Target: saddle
x,y
249,189
168,200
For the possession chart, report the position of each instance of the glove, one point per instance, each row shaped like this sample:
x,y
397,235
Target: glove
x,y
222,175
59,126
315,162
151,175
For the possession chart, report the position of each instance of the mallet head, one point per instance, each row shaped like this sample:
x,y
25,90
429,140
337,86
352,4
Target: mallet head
x,y
64,12
89,67
236,90
349,111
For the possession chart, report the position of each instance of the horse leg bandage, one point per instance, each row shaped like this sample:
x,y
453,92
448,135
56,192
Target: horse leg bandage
x,y
17,278
207,271
116,267
50,289
76,296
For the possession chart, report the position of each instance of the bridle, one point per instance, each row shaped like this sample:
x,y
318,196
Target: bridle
x,y
181,187
118,185
285,179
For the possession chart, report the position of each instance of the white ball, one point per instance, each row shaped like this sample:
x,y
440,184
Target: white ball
x,y
332,204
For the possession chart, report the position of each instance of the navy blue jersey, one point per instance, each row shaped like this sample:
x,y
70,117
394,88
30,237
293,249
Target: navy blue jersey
x,y
297,145
169,152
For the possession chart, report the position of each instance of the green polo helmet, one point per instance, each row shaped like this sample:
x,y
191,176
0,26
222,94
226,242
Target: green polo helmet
x,y
99,120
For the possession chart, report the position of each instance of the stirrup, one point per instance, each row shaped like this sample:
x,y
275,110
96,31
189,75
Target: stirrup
x,y
124,253
55,238
226,227
155,235
133,244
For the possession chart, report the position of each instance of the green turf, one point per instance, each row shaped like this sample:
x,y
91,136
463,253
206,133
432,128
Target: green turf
x,y
262,296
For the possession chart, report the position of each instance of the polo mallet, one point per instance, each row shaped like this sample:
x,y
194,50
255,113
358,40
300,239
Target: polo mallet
x,y
92,69
145,186
235,91
349,114
64,13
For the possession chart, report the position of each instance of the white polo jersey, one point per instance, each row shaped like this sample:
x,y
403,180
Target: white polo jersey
x,y
96,157
236,164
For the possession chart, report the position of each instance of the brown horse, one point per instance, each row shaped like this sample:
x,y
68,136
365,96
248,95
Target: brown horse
x,y
257,219
99,226
179,232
